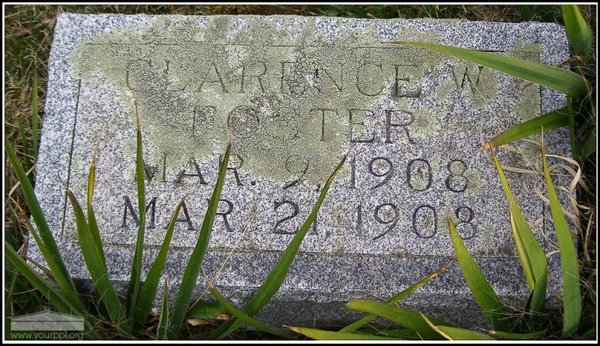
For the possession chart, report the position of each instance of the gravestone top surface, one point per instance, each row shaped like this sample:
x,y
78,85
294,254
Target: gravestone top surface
x,y
295,94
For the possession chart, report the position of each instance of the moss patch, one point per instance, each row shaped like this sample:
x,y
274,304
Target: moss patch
x,y
287,106
425,124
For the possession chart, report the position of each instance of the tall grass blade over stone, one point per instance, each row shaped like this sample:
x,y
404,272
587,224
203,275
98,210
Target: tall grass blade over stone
x,y
232,310
136,266
559,79
35,122
463,334
549,121
517,336
46,254
188,282
589,147
47,246
24,139
454,333
277,275
150,286
63,303
405,334
532,256
206,310
93,255
522,252
93,224
404,317
319,334
396,298
578,31
568,259
483,292
163,321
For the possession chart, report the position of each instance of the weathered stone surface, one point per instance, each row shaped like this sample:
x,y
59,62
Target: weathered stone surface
x,y
296,93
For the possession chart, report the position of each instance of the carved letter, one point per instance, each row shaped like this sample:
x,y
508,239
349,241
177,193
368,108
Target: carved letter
x,y
366,77
386,213
187,219
362,123
339,84
294,213
389,124
286,75
129,207
213,73
198,174
136,84
203,115
397,89
424,221
151,170
225,213
467,77
244,121
323,110
235,168
252,66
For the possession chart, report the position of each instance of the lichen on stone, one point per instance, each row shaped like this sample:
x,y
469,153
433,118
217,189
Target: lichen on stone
x,y
425,124
192,85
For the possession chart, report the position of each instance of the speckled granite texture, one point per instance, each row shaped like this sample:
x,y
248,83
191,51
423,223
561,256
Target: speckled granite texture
x,y
295,93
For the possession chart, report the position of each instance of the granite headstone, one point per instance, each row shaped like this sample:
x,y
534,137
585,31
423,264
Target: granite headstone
x,y
296,93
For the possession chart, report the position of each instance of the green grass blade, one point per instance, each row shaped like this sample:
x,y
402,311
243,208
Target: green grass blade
x,y
318,334
24,139
34,113
57,300
575,149
206,310
578,31
11,277
38,240
232,310
192,269
136,267
163,321
37,281
454,333
93,224
277,275
92,227
482,290
536,258
404,317
405,334
50,249
394,299
549,121
463,334
74,300
522,252
552,77
149,288
589,147
92,256
517,336
568,259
